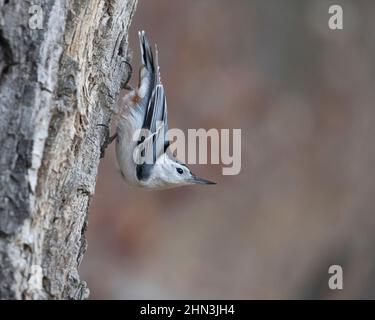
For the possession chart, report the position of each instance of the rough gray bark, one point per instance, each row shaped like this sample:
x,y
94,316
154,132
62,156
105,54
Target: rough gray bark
x,y
56,85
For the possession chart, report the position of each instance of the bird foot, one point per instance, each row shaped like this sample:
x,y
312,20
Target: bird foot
x,y
108,139
125,84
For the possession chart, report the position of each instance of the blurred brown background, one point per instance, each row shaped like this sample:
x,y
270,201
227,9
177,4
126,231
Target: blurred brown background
x,y
303,96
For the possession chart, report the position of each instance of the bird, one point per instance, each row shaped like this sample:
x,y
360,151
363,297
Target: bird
x,y
144,109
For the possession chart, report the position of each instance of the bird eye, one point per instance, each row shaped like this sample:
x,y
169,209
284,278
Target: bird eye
x,y
179,170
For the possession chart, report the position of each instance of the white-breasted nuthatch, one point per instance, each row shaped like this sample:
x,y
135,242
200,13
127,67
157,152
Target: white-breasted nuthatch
x,y
145,108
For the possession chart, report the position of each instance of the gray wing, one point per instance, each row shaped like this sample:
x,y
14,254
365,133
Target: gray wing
x,y
147,71
156,120
156,123
157,107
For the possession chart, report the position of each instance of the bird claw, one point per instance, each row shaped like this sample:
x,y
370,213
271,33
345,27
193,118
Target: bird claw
x,y
128,87
125,84
107,140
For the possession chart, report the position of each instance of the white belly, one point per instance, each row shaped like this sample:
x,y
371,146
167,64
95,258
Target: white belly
x,y
129,123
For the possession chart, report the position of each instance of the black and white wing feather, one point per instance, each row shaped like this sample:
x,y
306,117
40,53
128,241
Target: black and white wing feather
x,y
155,125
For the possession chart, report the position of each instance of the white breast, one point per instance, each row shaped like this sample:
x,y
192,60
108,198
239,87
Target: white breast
x,y
129,123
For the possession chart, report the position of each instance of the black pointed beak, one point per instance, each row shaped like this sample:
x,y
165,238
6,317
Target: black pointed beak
x,y
199,180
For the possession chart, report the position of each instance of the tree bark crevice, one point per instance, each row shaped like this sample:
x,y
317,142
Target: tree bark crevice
x,y
56,85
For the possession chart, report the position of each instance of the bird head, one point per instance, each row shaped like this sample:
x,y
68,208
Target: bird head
x,y
170,173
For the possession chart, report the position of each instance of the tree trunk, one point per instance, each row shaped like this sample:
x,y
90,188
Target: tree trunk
x,y
59,79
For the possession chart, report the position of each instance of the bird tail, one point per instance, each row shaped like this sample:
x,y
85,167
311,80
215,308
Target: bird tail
x,y
146,52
